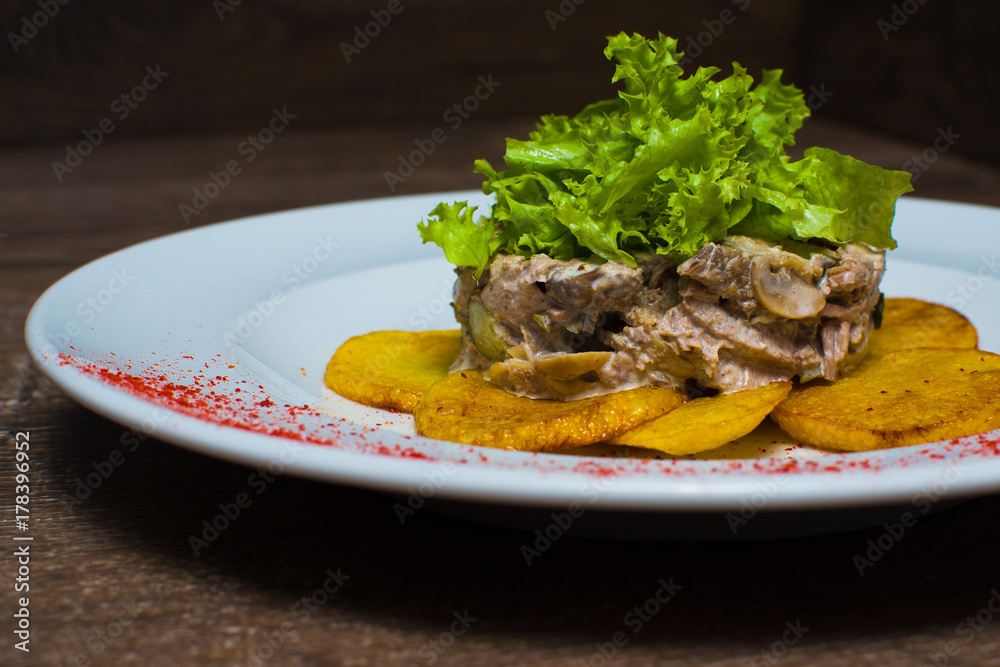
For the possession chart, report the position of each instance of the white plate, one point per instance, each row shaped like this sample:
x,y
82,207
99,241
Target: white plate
x,y
216,339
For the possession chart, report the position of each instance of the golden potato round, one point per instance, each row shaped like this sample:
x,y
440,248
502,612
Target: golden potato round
x,y
905,398
910,323
391,369
706,423
465,408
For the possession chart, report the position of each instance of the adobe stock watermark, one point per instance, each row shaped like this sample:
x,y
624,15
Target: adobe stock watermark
x,y
102,470
918,164
99,641
90,309
986,272
755,502
302,612
27,382
224,7
967,630
424,316
960,295
121,108
779,648
33,23
898,17
247,151
714,28
893,532
565,9
561,522
294,277
229,512
419,320
635,620
454,116
419,495
432,650
815,97
364,34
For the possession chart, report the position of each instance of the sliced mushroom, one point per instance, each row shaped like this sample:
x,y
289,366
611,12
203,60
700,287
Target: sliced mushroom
x,y
566,366
568,388
800,266
501,373
572,286
806,268
783,291
748,244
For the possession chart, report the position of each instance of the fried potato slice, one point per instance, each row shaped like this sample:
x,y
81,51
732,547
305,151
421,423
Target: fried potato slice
x,y
465,408
910,323
905,398
391,369
706,423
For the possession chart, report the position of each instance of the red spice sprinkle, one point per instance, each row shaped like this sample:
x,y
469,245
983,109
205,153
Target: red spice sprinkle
x,y
254,410
235,407
869,410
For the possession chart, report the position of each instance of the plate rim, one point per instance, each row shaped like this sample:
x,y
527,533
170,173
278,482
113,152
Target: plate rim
x,y
398,475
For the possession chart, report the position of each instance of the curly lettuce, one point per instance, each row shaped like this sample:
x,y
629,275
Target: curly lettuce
x,y
674,162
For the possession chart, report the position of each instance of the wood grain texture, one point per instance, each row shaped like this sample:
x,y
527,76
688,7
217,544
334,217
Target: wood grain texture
x,y
910,67
937,68
225,72
122,552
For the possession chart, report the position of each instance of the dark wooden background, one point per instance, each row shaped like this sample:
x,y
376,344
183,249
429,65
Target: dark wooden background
x,y
128,543
229,65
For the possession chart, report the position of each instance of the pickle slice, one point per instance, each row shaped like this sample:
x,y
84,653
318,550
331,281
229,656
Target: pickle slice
x,y
485,331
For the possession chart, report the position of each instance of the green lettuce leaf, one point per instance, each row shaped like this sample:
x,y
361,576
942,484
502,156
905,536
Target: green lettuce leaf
x,y
677,160
465,242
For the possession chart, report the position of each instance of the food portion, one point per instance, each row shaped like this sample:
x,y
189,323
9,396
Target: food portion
x,y
908,323
657,272
391,369
904,398
738,315
707,422
916,389
463,407
665,238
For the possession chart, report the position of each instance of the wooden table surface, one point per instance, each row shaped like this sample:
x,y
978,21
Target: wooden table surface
x,y
114,581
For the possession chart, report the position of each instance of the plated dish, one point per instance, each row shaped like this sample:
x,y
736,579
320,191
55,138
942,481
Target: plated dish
x,y
219,340
656,271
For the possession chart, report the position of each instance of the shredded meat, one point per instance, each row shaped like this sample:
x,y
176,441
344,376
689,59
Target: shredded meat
x,y
711,319
725,273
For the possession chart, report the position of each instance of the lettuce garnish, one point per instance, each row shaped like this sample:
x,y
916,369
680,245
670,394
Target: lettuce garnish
x,y
673,163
